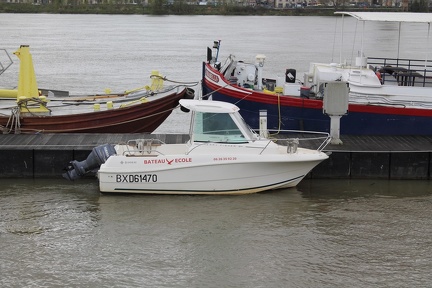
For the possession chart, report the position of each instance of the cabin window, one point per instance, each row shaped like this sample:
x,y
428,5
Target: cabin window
x,y
216,127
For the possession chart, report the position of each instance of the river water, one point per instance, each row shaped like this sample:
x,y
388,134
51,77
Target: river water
x,y
320,234
324,233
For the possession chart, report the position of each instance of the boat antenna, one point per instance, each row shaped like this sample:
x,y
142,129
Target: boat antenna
x,y
354,43
334,40
399,38
216,45
428,43
342,40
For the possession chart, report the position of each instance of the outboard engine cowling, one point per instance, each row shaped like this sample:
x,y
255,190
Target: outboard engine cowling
x,y
98,156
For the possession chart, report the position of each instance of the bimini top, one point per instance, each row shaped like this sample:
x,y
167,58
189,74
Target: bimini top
x,y
390,16
209,106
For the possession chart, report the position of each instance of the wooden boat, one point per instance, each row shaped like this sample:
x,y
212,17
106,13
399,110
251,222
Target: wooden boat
x,y
387,96
140,110
223,156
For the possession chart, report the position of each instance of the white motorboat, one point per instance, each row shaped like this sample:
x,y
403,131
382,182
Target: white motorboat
x,y
223,156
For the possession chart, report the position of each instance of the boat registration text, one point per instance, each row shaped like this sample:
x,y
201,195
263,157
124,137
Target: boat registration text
x,y
136,178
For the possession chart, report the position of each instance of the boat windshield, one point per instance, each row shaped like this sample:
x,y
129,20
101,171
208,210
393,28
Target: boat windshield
x,y
216,127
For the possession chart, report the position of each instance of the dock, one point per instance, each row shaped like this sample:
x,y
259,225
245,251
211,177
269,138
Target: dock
x,y
360,157
378,157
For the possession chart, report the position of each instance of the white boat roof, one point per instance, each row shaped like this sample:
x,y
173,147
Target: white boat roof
x,y
209,106
406,17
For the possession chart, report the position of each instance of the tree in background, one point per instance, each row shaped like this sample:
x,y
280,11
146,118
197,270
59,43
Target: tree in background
x,y
181,7
419,6
158,7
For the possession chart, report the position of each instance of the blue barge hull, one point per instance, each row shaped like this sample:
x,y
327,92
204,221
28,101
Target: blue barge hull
x,y
313,119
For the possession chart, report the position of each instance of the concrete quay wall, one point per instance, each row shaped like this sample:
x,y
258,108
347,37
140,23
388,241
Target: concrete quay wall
x,y
375,165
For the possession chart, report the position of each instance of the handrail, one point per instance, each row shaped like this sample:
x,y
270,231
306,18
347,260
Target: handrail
x,y
324,139
145,146
142,146
404,71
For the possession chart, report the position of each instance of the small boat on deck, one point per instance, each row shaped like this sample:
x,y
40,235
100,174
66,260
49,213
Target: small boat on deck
x,y
140,110
223,156
387,96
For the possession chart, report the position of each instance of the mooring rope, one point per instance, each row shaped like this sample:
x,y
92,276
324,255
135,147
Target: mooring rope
x,y
24,104
172,81
13,121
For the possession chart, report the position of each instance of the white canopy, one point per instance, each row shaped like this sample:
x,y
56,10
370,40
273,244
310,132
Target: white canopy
x,y
208,106
390,16
398,17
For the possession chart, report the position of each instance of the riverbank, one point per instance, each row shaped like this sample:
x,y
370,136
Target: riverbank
x,y
178,10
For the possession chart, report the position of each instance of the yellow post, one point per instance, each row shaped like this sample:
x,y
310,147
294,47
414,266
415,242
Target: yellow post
x,y
27,85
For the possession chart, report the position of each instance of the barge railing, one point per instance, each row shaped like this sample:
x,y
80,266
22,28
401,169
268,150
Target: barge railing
x,y
404,72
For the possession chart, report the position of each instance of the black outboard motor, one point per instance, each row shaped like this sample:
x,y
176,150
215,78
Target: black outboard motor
x,y
98,156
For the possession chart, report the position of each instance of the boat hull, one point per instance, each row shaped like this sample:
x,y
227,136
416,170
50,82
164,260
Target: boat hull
x,y
298,113
137,118
202,174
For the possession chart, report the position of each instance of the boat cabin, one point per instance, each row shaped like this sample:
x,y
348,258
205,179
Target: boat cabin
x,y
217,122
